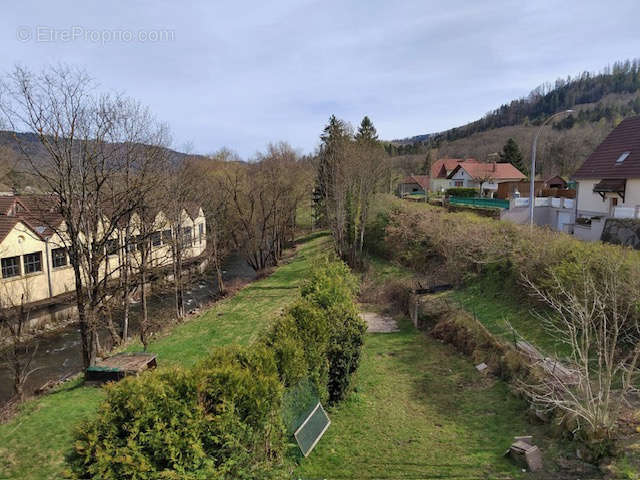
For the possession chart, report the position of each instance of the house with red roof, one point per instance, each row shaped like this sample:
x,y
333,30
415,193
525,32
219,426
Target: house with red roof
x,y
484,176
608,182
440,170
413,184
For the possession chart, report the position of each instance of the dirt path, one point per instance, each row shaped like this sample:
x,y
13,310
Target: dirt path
x,y
377,323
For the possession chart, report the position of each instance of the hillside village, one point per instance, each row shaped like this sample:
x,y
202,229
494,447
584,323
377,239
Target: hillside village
x,y
603,191
455,304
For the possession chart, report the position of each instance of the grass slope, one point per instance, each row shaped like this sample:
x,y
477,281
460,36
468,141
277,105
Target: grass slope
x,y
33,444
501,313
419,410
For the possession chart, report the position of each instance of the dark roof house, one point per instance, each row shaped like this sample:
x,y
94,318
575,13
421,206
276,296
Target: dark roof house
x,y
617,157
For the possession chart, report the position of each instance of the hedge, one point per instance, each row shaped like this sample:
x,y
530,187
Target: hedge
x,y
224,418
508,254
463,192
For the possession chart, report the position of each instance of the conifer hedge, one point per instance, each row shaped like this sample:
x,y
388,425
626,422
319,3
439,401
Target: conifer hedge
x,y
224,418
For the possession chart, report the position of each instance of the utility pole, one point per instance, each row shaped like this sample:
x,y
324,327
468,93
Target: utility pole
x,y
532,173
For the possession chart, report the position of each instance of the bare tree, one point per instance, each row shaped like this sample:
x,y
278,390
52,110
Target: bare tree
x,y
91,143
594,313
350,170
17,353
178,191
263,197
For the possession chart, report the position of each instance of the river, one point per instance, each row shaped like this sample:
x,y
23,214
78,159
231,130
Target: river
x,y
58,354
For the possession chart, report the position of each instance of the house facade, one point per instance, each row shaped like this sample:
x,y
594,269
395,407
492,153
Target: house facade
x,y
608,183
34,259
413,184
440,170
484,176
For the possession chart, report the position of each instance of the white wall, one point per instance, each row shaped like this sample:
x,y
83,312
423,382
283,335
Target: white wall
x,y
462,175
590,202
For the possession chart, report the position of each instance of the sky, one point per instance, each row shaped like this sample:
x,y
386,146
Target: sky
x,y
242,74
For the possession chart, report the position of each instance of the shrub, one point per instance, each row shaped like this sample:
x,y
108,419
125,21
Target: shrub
x,y
332,287
224,418
148,427
302,332
462,192
218,420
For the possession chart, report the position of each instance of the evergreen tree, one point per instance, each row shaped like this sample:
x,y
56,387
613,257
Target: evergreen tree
x,y
333,137
366,131
426,167
511,154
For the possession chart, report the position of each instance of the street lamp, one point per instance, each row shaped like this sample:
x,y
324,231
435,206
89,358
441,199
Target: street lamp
x,y
532,173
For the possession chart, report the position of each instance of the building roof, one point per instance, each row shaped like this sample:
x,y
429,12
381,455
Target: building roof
x,y
6,204
6,225
495,171
443,166
555,179
193,209
603,162
422,180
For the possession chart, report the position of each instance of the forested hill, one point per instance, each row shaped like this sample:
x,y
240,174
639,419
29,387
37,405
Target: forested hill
x,y
600,100
587,88
13,164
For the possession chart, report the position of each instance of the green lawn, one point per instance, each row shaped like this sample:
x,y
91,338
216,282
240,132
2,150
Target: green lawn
x,y
419,410
33,444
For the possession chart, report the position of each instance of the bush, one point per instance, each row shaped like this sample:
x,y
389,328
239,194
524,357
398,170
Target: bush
x,y
302,333
462,192
218,420
332,287
224,418
148,427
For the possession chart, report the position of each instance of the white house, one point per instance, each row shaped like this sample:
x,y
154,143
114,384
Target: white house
x,y
484,176
608,183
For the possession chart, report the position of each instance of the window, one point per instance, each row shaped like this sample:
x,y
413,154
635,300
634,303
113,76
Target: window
x,y
112,246
458,183
187,238
10,267
166,236
140,241
156,239
59,257
201,231
132,244
623,157
33,263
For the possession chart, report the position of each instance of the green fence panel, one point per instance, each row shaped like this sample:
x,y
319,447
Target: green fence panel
x,y
480,202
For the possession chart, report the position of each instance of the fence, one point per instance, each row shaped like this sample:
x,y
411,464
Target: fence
x,y
545,202
480,202
626,212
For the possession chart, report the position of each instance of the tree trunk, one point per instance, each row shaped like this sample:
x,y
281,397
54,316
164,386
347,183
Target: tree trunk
x,y
144,324
126,300
216,260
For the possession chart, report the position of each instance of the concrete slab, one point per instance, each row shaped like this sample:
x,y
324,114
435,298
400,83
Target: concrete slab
x,y
377,323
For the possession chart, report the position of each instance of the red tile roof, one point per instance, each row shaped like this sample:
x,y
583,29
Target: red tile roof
x,y
448,164
422,180
602,162
6,204
494,171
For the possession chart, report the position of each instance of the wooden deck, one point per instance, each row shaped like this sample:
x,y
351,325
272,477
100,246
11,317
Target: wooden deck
x,y
119,366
